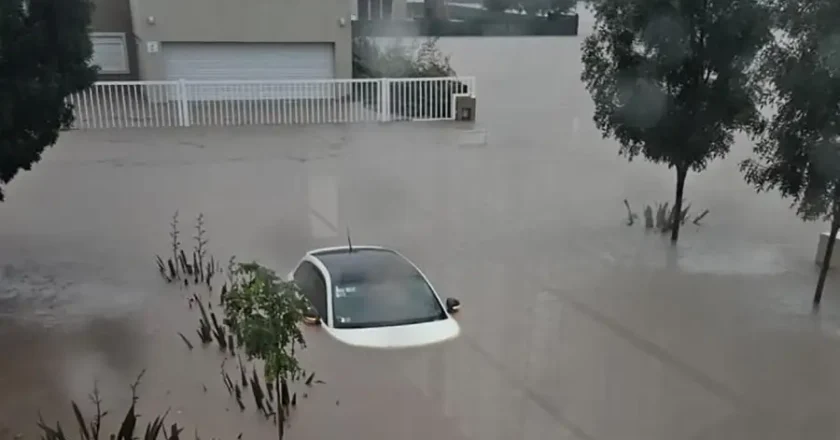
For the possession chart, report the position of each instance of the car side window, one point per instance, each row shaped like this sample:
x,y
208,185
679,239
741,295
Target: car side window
x,y
319,299
312,285
303,279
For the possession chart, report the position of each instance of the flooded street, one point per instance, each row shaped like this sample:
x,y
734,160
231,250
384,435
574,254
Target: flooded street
x,y
574,326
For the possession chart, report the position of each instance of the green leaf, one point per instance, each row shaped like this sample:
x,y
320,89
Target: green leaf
x,y
798,154
266,313
83,430
47,62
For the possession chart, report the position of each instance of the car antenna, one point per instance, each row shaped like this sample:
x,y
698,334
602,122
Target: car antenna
x,y
349,242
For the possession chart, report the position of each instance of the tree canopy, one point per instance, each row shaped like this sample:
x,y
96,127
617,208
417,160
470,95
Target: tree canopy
x,y
799,155
45,50
673,80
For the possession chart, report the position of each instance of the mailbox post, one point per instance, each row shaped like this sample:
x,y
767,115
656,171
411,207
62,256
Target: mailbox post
x,y
465,108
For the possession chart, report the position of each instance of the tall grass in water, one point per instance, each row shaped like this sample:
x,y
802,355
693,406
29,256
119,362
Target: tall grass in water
x,y
91,428
666,217
192,275
199,269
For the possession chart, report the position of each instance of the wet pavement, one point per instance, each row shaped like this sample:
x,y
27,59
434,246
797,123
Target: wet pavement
x,y
575,326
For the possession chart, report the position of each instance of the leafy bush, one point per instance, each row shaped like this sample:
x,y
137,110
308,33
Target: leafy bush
x,y
265,312
370,60
425,60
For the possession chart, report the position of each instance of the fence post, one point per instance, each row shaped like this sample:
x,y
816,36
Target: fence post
x,y
183,104
384,100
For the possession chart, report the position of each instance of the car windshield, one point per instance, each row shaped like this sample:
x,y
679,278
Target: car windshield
x,y
385,302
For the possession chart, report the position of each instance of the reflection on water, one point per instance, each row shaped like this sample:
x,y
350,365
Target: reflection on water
x,y
766,260
55,294
573,325
700,255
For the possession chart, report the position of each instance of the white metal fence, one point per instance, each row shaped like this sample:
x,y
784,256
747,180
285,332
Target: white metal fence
x,y
124,104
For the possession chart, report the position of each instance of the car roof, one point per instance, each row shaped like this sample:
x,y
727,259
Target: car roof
x,y
369,263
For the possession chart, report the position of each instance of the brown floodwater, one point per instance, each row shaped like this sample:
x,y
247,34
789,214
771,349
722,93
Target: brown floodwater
x,y
574,326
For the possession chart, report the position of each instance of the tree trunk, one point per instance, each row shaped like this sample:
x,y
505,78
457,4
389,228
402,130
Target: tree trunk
x,y
279,415
829,249
682,172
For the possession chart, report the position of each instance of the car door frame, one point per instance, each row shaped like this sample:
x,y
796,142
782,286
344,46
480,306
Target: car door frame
x,y
322,270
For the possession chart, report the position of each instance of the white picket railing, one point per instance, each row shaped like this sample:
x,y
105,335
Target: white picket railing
x,y
127,104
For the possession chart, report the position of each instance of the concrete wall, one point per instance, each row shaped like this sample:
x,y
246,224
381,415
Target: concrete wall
x,y
400,10
115,16
244,21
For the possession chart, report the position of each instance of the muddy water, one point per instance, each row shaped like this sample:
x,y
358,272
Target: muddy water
x,y
574,325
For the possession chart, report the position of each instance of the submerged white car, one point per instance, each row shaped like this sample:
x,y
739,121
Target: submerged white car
x,y
370,296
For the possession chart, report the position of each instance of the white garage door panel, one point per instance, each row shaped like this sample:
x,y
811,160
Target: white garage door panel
x,y
261,64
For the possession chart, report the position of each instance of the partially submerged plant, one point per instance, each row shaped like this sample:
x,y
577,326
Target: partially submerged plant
x,y
174,234
91,429
205,331
631,216
261,317
200,251
648,217
199,268
265,313
666,216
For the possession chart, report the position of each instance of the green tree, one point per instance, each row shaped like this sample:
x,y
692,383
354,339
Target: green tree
x,y
799,154
671,79
265,314
44,57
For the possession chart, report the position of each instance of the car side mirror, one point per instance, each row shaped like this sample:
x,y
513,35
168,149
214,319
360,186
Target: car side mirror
x,y
453,305
311,317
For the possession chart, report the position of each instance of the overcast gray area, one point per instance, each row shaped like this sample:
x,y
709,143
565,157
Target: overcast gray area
x,y
574,326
